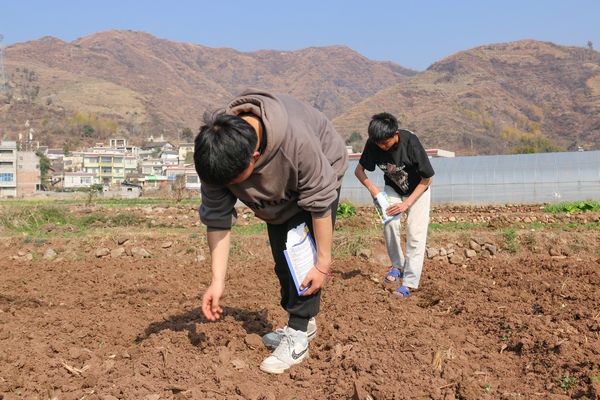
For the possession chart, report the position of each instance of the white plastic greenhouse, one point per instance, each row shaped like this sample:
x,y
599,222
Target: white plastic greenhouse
x,y
520,178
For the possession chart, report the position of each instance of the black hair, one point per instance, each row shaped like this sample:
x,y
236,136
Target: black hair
x,y
223,148
383,126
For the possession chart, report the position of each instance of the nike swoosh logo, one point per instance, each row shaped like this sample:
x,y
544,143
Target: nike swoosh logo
x,y
295,355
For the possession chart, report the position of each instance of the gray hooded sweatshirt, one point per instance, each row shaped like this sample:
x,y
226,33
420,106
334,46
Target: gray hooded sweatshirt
x,y
301,167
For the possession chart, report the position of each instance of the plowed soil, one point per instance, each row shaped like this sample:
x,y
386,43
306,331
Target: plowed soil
x,y
112,312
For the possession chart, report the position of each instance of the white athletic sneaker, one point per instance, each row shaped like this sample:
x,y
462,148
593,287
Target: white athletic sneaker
x,y
271,340
292,349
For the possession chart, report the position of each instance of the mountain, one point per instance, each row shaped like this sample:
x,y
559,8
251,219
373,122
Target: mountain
x,y
496,99
156,86
500,98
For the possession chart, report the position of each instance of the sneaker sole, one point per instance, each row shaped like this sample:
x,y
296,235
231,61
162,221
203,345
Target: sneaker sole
x,y
273,371
281,371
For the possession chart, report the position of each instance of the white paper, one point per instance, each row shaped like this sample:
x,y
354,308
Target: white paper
x,y
300,253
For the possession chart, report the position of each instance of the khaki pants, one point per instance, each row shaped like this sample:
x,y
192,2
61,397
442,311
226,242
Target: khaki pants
x,y
417,222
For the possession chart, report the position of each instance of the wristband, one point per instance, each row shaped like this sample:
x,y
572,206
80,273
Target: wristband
x,y
328,273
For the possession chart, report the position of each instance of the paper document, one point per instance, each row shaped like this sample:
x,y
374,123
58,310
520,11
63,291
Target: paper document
x,y
300,253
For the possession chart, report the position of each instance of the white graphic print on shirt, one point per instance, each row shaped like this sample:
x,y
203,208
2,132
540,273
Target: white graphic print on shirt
x,y
397,174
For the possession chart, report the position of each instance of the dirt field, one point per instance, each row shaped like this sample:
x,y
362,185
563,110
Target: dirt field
x,y
112,311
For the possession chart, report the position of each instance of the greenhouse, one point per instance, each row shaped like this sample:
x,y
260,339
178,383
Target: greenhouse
x,y
502,179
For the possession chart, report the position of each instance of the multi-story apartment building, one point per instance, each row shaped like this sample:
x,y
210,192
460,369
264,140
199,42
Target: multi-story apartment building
x,y
8,172
19,170
109,168
28,173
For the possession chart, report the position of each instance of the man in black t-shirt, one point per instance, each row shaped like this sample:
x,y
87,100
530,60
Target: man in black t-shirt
x,y
407,176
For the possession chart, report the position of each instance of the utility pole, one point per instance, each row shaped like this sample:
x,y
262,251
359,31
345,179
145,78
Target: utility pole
x,y
3,81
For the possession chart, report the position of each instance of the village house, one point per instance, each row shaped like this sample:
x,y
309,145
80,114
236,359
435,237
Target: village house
x,y
19,171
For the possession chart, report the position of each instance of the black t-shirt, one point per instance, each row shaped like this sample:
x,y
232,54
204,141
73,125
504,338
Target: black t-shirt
x,y
402,168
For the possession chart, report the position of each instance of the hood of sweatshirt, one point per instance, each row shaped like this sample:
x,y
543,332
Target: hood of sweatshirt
x,y
257,101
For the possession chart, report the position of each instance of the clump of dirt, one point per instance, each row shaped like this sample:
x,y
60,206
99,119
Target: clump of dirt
x,y
96,319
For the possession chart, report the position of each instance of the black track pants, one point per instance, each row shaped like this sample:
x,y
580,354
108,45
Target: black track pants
x,y
299,308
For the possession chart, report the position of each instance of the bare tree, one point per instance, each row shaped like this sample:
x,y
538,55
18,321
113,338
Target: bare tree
x,y
178,188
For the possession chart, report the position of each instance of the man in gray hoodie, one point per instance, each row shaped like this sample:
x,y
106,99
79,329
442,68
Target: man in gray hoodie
x,y
284,160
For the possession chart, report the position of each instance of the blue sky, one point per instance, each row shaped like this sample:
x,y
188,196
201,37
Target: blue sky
x,y
414,33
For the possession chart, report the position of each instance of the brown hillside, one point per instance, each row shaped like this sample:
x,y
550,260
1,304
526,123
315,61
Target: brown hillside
x,y
495,99
155,86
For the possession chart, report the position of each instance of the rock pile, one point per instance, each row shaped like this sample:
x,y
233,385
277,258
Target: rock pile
x,y
478,246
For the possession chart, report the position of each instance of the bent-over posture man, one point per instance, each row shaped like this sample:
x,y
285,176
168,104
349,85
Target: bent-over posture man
x,y
284,160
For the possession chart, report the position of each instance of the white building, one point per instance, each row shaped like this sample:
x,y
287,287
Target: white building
x,y
75,180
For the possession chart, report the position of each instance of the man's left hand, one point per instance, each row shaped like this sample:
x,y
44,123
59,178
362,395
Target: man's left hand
x,y
316,279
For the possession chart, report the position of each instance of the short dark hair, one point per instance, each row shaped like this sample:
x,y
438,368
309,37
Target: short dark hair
x,y
382,127
223,148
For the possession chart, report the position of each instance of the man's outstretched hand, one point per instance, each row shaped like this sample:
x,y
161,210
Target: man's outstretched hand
x,y
210,301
